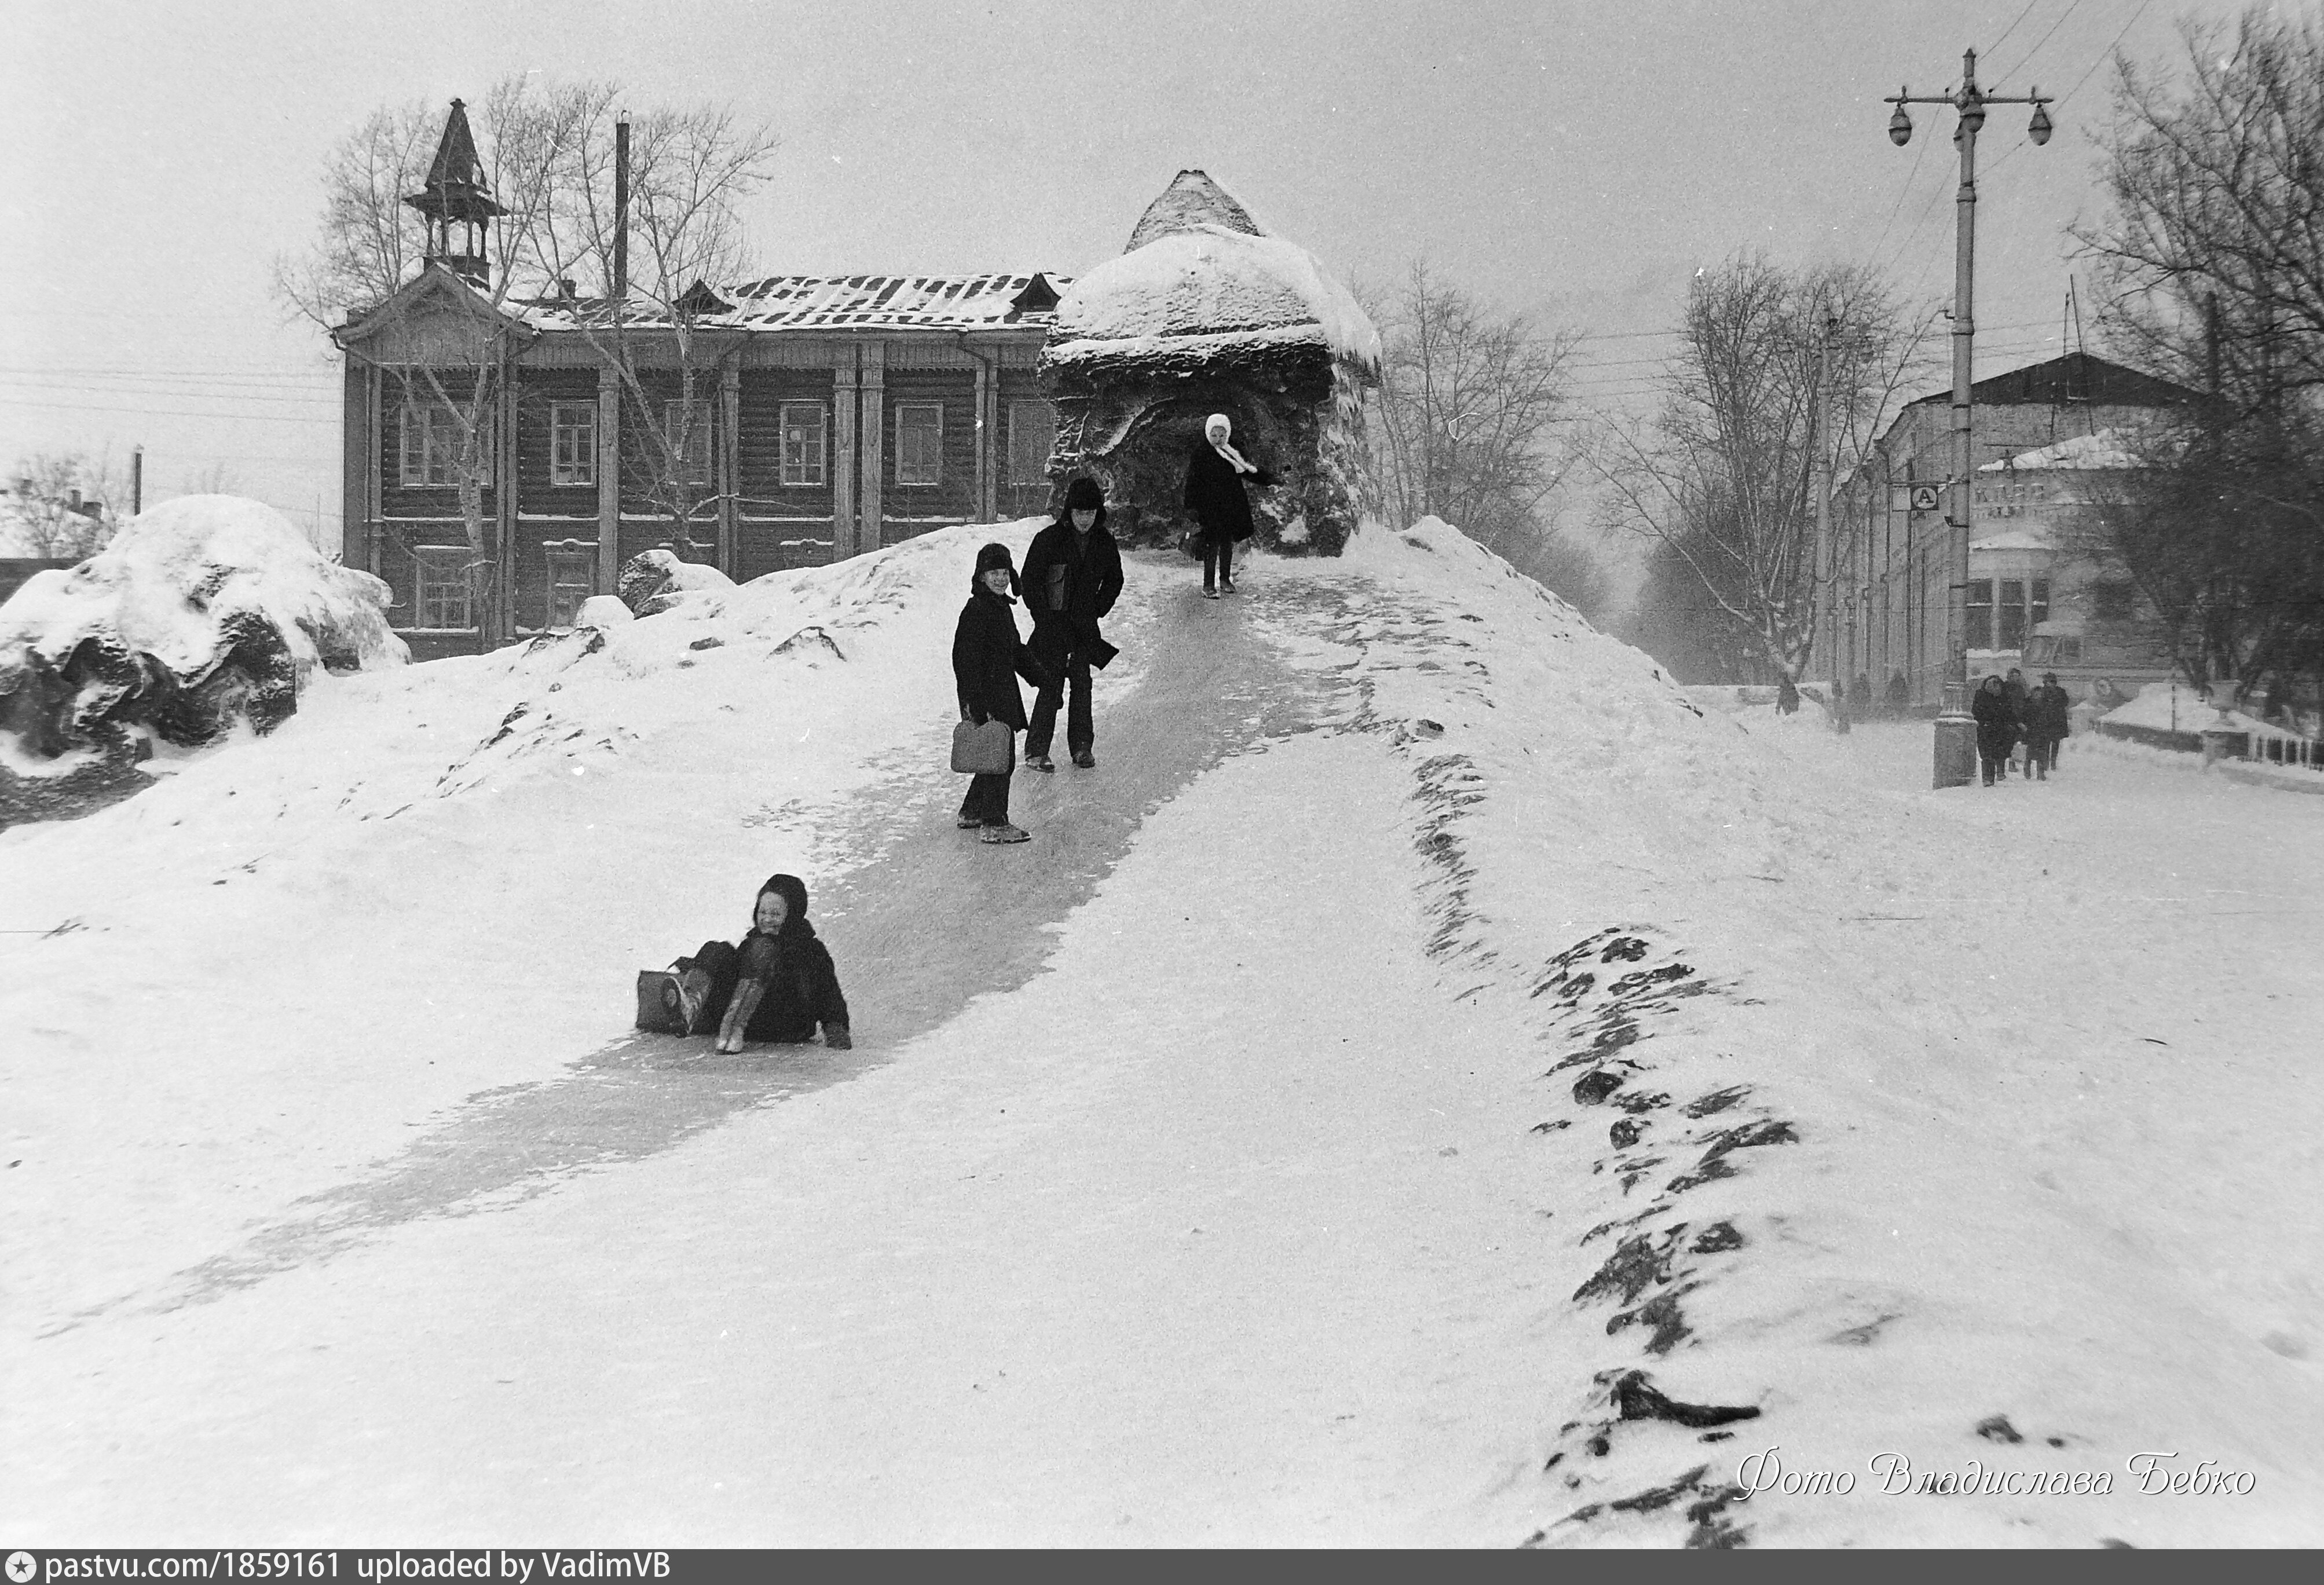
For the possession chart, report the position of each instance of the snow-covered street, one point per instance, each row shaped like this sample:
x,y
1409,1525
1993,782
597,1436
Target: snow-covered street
x,y
1423,1019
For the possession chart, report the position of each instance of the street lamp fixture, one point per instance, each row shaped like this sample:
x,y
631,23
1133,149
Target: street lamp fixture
x,y
1955,749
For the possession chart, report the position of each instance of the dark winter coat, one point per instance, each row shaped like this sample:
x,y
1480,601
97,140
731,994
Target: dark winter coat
x,y
2048,720
1995,714
802,985
799,986
1214,494
1068,587
988,656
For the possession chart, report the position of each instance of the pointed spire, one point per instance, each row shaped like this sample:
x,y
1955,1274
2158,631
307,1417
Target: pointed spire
x,y
456,193
1191,199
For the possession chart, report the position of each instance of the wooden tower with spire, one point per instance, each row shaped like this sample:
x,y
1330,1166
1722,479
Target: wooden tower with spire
x,y
457,195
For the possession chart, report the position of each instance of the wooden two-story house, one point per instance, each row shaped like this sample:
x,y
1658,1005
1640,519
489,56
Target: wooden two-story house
x,y
764,425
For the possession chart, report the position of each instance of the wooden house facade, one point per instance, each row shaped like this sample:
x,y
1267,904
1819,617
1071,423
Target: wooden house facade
x,y
778,423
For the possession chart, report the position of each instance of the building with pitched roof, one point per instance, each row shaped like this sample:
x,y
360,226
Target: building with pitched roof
x,y
779,422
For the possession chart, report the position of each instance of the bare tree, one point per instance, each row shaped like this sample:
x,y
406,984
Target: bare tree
x,y
2211,257
1722,479
1471,423
63,505
550,150
689,171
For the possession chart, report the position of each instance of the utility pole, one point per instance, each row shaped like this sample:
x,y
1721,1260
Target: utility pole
x,y
136,480
1956,745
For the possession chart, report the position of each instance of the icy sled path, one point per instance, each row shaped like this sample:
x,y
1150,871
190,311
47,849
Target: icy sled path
x,y
1201,1236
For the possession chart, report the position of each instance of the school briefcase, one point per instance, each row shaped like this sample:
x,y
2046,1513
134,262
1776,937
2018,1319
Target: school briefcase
x,y
986,750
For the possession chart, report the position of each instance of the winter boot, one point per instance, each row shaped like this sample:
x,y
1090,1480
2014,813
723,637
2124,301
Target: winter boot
x,y
1084,758
693,991
1006,833
1040,762
968,822
738,1015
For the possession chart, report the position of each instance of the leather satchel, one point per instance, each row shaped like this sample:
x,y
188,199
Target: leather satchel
x,y
984,749
671,1002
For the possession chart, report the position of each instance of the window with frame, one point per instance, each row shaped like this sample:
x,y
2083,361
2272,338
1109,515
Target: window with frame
x,y
2013,613
432,438
685,431
572,580
442,594
573,443
803,433
2037,603
919,443
1978,626
1032,436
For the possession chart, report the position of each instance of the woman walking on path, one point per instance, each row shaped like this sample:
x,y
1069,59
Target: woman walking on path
x,y
1996,726
1073,575
1215,475
2021,700
2047,724
779,983
988,656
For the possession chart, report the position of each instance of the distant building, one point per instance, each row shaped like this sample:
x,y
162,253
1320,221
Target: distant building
x,y
829,416
2033,555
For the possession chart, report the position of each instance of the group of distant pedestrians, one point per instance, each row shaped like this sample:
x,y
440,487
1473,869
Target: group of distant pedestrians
x,y
2018,725
1070,580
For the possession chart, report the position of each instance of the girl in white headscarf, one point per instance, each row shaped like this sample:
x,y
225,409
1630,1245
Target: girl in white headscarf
x,y
1216,473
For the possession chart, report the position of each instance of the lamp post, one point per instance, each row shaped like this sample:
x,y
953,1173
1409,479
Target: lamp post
x,y
1955,742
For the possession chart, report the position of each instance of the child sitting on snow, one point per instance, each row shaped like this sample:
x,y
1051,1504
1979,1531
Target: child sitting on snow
x,y
777,983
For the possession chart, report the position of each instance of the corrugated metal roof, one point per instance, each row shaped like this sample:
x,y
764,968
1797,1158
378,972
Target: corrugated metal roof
x,y
852,302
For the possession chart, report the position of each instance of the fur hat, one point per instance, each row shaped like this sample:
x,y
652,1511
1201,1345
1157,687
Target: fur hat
x,y
995,555
1085,494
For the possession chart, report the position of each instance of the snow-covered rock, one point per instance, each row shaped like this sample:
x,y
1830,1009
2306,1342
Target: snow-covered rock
x,y
1200,276
603,611
653,581
1205,312
203,610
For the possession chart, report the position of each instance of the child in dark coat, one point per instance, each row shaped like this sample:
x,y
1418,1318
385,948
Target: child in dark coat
x,y
988,656
778,983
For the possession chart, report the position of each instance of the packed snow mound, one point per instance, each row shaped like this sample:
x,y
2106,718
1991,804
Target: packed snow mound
x,y
2166,706
205,592
1211,290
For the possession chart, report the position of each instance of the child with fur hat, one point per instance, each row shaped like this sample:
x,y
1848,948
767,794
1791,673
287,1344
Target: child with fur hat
x,y
1073,575
988,656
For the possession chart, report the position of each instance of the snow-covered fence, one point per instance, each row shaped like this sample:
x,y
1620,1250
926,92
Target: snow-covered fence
x,y
2274,749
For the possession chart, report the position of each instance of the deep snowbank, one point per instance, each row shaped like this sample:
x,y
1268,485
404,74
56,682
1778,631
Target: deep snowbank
x,y
1823,1112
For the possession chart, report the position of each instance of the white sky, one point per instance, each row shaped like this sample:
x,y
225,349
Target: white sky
x,y
1578,159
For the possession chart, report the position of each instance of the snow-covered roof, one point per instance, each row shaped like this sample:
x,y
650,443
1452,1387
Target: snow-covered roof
x,y
2103,449
1200,277
839,302
2017,537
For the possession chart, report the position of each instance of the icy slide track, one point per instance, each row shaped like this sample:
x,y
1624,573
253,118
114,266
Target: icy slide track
x,y
1225,1164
